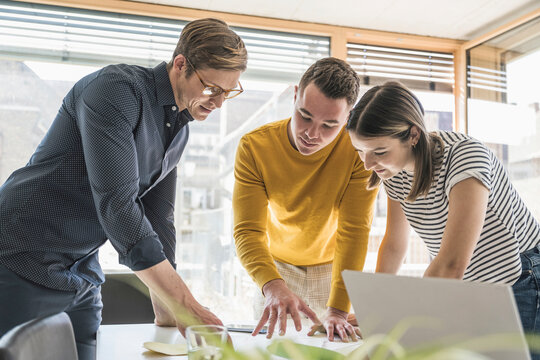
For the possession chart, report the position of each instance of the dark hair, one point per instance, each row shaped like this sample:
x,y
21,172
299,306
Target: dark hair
x,y
210,43
392,110
334,77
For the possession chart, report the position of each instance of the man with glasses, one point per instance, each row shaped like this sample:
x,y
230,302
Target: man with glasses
x,y
107,170
214,90
302,212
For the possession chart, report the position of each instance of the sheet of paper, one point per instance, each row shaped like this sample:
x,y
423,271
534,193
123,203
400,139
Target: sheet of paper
x,y
167,349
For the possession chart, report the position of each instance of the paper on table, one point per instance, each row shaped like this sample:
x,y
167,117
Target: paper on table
x,y
167,349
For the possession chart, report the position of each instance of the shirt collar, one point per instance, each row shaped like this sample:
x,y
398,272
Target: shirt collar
x,y
186,116
164,92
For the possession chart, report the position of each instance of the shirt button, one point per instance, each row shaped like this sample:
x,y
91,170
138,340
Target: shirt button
x,y
173,108
168,124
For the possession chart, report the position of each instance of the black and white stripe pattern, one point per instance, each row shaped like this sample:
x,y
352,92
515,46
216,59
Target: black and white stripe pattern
x,y
509,227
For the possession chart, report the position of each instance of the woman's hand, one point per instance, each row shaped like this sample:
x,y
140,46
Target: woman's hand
x,y
336,322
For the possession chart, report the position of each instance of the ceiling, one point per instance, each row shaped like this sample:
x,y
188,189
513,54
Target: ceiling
x,y
455,19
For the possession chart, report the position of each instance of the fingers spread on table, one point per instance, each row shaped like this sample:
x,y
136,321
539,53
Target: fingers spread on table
x,y
262,321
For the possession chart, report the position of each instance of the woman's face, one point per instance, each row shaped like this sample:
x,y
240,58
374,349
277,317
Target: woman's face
x,y
385,155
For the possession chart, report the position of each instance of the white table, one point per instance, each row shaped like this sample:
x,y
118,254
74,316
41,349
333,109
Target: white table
x,y
118,342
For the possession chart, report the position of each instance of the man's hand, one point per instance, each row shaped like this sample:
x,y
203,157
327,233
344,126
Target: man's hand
x,y
163,317
335,322
173,302
192,313
201,314
281,301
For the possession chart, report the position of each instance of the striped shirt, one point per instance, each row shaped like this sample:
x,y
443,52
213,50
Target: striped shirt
x,y
509,227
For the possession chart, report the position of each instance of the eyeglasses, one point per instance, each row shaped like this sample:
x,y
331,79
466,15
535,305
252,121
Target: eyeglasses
x,y
214,90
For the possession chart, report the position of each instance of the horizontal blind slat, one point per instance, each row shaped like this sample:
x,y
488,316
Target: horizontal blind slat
x,y
415,68
34,31
487,79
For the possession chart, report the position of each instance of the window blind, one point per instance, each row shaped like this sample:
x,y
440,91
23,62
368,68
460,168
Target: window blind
x,y
419,70
486,79
52,33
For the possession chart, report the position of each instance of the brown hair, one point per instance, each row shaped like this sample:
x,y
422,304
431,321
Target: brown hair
x,y
392,110
210,43
334,77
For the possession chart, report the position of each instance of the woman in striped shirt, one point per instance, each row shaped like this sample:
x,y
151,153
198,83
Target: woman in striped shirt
x,y
454,192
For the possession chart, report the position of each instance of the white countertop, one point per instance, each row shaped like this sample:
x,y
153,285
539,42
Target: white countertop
x,y
117,342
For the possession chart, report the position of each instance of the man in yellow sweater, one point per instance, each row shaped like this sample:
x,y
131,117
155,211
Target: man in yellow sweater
x,y
302,212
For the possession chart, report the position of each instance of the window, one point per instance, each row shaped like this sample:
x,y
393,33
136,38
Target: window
x,y
44,50
503,107
418,70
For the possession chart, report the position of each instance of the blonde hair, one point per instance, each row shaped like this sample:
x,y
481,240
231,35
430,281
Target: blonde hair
x,y
392,110
210,43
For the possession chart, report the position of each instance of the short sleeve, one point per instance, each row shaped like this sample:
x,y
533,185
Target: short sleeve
x,y
398,187
390,192
466,159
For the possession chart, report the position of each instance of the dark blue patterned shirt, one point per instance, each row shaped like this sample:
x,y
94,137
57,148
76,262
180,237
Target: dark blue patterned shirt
x,y
106,169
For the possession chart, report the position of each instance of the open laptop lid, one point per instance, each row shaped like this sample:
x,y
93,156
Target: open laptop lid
x,y
443,311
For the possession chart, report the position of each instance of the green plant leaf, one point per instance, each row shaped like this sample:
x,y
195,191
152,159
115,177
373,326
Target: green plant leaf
x,y
290,350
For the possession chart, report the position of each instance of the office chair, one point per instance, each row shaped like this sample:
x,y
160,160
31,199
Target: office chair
x,y
46,338
126,300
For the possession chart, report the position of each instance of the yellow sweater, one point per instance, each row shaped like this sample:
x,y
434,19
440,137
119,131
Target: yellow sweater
x,y
301,210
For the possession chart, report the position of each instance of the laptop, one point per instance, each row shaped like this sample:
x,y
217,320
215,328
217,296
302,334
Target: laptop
x,y
436,311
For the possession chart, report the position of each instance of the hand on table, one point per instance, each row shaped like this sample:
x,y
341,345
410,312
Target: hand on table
x,y
281,301
163,317
197,314
351,319
337,322
172,301
202,316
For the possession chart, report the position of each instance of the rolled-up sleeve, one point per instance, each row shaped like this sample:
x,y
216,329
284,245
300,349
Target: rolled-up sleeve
x,y
108,114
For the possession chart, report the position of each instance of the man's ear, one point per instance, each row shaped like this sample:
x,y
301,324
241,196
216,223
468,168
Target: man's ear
x,y
180,62
295,93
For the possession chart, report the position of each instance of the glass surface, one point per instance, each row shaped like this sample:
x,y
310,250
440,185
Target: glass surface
x,y
206,254
206,342
504,104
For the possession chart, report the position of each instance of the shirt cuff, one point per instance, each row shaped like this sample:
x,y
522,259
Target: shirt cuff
x,y
266,276
146,253
339,299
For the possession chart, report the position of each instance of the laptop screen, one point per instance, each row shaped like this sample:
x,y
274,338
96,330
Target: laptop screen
x,y
441,312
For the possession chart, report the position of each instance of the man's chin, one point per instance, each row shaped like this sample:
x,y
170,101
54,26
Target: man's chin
x,y
200,113
200,117
308,150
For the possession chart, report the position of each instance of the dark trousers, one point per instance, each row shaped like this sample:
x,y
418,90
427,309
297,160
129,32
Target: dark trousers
x,y
22,300
527,294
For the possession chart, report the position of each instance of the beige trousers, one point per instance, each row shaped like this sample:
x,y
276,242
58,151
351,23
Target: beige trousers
x,y
310,283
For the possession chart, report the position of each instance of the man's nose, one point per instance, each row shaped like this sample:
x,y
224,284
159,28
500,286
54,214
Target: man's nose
x,y
312,132
218,100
